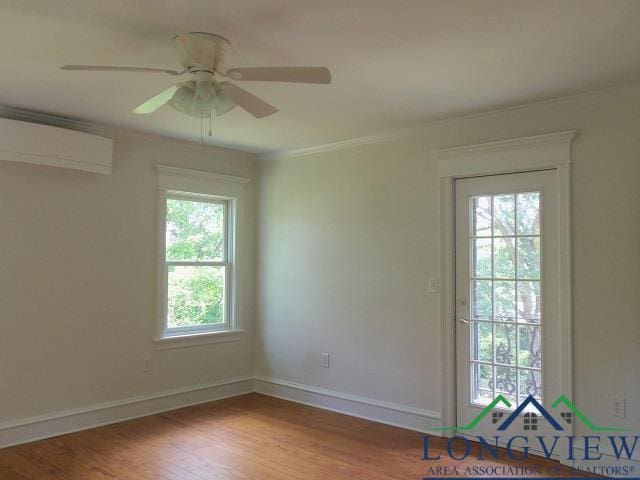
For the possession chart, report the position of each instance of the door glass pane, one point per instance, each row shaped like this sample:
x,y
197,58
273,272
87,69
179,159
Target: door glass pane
x,y
529,257
530,383
504,209
481,208
530,346
506,383
482,341
504,243
529,302
504,293
482,303
504,258
528,213
482,258
482,383
505,344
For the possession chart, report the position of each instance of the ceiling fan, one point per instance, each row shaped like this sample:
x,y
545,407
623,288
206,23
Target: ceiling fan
x,y
202,57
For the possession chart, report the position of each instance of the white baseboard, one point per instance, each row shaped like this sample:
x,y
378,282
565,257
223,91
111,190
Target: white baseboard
x,y
388,413
30,429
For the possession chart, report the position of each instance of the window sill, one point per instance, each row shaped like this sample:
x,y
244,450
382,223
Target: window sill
x,y
195,339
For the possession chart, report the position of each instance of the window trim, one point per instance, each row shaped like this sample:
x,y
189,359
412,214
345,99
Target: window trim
x,y
201,186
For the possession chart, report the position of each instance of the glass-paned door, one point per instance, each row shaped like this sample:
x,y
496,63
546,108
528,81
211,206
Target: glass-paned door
x,y
506,262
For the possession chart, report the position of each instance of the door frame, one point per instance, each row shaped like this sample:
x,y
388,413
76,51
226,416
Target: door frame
x,y
540,152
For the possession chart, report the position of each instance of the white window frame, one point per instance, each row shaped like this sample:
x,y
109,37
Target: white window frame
x,y
226,262
197,185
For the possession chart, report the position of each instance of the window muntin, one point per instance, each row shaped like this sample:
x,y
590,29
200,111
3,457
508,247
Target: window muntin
x,y
198,244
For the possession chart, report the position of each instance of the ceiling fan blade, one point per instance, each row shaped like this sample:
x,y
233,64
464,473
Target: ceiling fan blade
x,y
252,104
282,74
104,68
156,101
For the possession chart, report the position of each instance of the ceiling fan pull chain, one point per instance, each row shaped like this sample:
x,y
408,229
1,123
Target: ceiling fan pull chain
x,y
209,123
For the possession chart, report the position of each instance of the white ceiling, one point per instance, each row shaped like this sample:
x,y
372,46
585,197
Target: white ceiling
x,y
395,63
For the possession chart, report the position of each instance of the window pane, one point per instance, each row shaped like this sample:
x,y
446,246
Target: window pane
x,y
530,351
482,257
195,230
506,344
481,216
505,301
195,296
528,205
481,294
504,208
482,383
506,383
529,302
483,341
529,257
530,383
503,258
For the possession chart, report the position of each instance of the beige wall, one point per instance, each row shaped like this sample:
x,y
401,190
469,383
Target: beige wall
x,y
349,238
347,241
78,282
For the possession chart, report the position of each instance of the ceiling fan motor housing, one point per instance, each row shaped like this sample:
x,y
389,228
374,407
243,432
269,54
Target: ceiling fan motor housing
x,y
199,51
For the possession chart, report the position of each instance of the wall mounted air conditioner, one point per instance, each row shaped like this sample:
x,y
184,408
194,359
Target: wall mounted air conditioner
x,y
54,147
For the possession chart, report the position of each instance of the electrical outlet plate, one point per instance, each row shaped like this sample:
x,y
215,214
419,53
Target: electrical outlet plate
x,y
618,407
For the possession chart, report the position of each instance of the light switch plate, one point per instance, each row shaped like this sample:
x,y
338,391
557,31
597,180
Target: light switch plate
x,y
324,360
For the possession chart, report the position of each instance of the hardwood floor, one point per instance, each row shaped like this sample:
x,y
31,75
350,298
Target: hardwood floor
x,y
247,437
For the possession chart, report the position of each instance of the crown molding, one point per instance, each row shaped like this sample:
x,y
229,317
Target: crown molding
x,y
341,145
584,98
111,131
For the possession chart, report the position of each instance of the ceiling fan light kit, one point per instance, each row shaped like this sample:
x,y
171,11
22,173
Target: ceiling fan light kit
x,y
202,56
201,98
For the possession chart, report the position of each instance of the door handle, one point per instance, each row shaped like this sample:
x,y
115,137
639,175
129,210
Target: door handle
x,y
463,303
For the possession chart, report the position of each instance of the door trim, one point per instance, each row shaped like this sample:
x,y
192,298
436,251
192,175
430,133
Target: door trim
x,y
541,152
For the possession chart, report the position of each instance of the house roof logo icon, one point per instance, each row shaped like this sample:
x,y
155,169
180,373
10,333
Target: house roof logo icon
x,y
530,400
529,404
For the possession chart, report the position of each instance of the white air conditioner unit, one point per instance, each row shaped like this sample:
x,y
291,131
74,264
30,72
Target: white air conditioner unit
x,y
54,147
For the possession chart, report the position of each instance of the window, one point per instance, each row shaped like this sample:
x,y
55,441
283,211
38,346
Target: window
x,y
199,215
197,264
530,421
